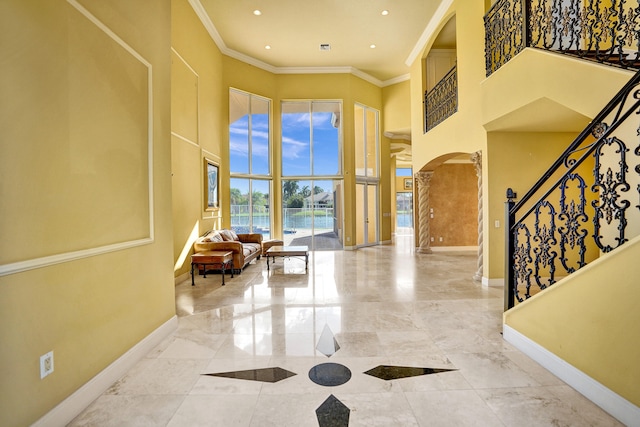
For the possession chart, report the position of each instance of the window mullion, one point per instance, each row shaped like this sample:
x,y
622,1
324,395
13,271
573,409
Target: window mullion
x,y
311,137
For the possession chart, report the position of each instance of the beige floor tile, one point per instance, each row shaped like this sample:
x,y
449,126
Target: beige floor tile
x,y
384,305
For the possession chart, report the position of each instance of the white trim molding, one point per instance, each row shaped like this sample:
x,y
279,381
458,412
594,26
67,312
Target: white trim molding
x,y
73,405
493,282
608,400
30,264
429,31
454,248
202,14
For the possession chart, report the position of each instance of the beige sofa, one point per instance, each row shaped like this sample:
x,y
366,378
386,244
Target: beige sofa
x,y
245,247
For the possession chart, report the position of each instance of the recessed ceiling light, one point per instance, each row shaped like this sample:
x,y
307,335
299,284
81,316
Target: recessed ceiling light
x,y
385,12
373,46
257,12
267,47
325,46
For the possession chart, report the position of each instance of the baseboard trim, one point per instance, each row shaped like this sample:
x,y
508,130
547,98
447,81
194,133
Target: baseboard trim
x,y
181,278
73,405
453,248
498,283
616,405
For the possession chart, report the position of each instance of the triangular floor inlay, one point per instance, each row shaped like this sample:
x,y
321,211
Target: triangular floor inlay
x,y
266,375
389,372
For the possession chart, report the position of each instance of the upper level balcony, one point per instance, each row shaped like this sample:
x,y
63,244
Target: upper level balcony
x,y
607,32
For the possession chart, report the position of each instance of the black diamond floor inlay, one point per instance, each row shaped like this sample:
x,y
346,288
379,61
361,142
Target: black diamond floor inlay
x,y
333,413
266,375
387,372
330,374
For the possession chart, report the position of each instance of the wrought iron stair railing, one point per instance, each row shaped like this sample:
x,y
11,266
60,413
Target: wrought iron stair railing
x,y
586,204
441,101
604,31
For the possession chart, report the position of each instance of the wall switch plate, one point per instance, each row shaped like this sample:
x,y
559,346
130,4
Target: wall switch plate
x,y
46,364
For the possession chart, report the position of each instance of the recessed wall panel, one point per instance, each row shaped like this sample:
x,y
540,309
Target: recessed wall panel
x,y
184,99
76,168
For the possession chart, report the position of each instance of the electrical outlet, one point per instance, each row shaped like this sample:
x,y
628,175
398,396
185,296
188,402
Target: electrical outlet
x,y
46,364
439,239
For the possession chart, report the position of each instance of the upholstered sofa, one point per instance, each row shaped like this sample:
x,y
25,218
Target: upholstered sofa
x,y
245,247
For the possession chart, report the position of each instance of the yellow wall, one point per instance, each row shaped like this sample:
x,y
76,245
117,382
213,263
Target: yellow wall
x,y
462,132
82,183
396,102
604,342
198,125
580,86
515,161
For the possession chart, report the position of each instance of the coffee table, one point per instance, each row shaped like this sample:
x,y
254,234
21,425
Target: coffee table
x,y
288,251
223,259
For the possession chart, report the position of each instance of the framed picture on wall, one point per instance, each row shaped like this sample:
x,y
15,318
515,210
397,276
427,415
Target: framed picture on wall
x,y
408,184
212,181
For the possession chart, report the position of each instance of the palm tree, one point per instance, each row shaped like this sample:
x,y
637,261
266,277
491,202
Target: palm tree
x,y
289,188
236,197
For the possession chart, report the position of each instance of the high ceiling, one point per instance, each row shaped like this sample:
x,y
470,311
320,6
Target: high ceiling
x,y
295,29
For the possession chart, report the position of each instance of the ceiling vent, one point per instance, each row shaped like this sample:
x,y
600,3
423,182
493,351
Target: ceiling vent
x,y
325,46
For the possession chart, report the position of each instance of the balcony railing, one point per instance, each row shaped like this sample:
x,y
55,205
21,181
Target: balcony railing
x,y
603,31
441,101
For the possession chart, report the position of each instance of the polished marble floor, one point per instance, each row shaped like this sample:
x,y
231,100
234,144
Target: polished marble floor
x,y
400,339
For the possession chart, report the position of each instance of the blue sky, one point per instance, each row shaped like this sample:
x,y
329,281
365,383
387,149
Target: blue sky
x,y
295,145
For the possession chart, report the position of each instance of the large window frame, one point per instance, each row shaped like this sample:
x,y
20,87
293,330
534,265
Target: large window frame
x,y
314,171
245,116
367,156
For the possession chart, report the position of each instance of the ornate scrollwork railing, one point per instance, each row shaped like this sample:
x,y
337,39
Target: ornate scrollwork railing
x,y
604,31
585,205
441,101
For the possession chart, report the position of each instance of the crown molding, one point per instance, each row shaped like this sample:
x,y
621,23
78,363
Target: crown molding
x,y
217,39
395,80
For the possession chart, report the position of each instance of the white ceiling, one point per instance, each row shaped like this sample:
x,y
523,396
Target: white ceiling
x,y
295,29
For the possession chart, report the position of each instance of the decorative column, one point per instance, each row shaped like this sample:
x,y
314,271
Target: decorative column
x,y
476,158
424,241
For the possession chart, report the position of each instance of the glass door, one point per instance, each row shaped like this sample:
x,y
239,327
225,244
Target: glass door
x,y
366,214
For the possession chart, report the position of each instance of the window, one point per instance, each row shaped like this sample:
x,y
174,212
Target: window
x,y
249,162
366,136
312,174
311,138
367,175
404,201
250,214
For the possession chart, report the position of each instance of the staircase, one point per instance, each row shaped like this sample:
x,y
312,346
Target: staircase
x,y
585,205
573,242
